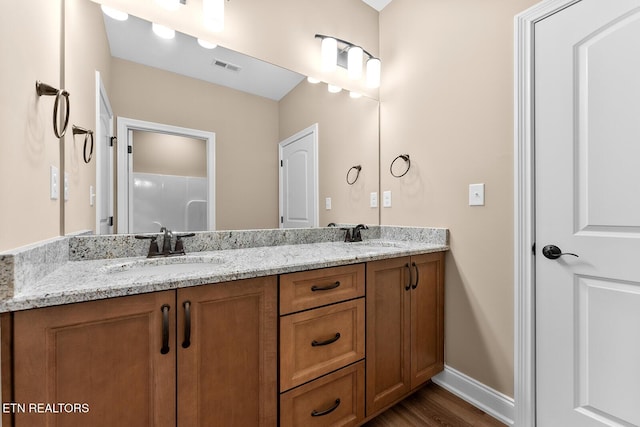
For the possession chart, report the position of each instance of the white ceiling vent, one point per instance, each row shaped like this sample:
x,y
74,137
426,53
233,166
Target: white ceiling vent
x,y
226,65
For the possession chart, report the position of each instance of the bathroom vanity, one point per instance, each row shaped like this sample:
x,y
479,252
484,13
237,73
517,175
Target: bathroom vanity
x,y
316,333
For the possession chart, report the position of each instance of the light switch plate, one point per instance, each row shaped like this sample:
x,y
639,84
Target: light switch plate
x,y
54,183
386,199
373,200
327,203
476,194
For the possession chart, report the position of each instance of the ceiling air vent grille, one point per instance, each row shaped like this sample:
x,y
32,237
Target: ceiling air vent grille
x,y
226,65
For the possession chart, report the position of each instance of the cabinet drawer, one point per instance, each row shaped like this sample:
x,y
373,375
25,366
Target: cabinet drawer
x,y
313,404
314,288
316,342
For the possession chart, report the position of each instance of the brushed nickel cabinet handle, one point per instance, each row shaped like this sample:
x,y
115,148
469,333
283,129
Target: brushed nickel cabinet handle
x,y
316,413
315,343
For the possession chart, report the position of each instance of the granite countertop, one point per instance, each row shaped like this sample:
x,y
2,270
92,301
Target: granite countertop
x,y
85,280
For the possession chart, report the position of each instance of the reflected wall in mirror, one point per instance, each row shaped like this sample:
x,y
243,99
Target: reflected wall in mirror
x,y
248,123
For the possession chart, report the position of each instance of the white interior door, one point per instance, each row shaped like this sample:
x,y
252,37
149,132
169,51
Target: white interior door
x,y
587,127
298,157
104,161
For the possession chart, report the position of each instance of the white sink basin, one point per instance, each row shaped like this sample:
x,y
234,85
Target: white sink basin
x,y
375,244
195,264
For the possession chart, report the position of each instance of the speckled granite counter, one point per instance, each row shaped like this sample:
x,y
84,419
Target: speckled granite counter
x,y
91,277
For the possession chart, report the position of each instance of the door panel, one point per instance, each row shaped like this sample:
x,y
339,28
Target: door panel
x,y
587,105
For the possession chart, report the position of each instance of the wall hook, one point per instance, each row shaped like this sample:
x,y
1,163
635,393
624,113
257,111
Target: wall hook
x,y
357,168
404,157
88,134
48,90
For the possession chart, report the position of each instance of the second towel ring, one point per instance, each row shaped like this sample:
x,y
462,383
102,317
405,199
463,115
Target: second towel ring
x,y
45,89
404,157
77,130
358,168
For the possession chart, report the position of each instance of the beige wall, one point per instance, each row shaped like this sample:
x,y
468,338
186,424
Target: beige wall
x,y
30,46
447,100
86,51
348,136
166,154
246,128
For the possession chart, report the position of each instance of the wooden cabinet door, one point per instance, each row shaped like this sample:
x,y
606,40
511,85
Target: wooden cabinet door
x,y
388,375
105,354
227,372
427,317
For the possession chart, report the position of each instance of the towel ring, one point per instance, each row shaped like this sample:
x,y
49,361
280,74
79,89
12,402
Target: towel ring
x,y
88,134
404,157
48,90
358,168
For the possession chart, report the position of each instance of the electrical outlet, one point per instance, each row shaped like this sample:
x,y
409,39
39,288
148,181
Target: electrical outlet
x,y
54,184
386,199
373,200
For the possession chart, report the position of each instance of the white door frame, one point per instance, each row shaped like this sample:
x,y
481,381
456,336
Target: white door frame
x,y
313,129
524,205
124,167
102,97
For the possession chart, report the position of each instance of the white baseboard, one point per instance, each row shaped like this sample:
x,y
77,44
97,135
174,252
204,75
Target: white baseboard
x,y
492,402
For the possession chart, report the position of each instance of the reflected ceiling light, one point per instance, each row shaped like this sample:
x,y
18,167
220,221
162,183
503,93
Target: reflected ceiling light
x,y
329,54
313,80
337,52
207,45
355,95
334,88
213,14
169,4
163,32
114,13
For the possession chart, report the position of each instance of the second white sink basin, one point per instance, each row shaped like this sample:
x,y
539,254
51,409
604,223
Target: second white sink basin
x,y
166,266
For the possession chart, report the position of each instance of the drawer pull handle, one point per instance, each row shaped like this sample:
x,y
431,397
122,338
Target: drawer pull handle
x,y
315,288
187,324
165,329
415,285
408,285
315,343
315,413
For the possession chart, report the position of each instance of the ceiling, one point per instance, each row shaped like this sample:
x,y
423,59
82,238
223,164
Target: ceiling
x,y
377,4
133,40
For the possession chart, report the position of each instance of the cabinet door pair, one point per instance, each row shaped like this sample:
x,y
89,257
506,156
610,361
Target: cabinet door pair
x,y
110,357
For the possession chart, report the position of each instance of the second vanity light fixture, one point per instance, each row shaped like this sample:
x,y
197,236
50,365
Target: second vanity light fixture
x,y
337,52
212,12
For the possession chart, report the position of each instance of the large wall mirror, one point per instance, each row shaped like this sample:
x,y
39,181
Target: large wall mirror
x,y
153,93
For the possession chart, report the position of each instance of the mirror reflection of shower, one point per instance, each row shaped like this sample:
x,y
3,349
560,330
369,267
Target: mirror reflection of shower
x,y
169,182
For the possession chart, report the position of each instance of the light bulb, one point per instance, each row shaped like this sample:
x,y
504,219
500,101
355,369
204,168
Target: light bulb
x,y
373,72
114,13
334,88
355,95
329,54
354,62
213,14
207,45
163,32
313,80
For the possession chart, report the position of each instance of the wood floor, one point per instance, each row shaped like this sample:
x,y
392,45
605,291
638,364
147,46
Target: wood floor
x,y
432,406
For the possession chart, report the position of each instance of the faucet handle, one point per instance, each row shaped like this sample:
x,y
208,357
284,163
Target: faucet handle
x,y
153,245
179,249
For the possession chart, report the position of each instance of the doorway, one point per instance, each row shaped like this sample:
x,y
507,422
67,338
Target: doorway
x,y
163,187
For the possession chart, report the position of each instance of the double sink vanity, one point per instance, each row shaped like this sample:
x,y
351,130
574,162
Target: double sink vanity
x,y
248,328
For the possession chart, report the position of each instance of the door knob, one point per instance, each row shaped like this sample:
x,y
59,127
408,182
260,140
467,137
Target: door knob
x,y
554,252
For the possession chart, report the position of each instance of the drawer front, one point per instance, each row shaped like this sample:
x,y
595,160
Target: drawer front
x,y
334,400
314,288
316,342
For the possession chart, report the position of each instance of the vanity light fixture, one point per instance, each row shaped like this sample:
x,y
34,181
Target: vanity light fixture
x,y
207,45
213,14
334,88
337,52
114,13
355,95
163,32
313,80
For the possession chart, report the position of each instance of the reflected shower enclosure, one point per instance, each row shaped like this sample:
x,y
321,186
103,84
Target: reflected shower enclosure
x,y
169,182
